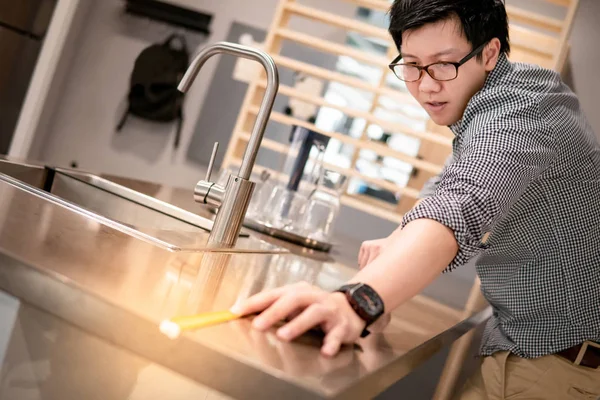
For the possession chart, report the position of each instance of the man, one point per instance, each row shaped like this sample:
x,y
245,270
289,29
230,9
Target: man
x,y
521,193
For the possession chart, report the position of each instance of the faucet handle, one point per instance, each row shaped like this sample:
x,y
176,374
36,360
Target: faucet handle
x,y
211,163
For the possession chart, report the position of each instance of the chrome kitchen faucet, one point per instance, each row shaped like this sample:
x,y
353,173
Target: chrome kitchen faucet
x,y
233,199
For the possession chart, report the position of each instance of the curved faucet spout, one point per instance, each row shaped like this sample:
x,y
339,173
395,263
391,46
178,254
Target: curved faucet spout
x,y
267,103
233,200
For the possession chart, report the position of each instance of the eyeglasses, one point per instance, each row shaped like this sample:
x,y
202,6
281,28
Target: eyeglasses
x,y
440,71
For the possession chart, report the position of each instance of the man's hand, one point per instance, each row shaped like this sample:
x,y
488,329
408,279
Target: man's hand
x,y
316,307
370,250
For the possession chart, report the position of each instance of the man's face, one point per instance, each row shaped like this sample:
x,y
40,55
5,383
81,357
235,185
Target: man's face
x,y
445,102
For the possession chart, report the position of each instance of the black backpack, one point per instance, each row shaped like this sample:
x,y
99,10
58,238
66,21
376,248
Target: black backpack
x,y
153,93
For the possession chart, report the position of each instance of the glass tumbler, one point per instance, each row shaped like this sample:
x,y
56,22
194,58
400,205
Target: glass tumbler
x,y
323,206
287,209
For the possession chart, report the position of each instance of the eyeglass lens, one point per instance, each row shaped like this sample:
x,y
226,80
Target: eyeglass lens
x,y
440,72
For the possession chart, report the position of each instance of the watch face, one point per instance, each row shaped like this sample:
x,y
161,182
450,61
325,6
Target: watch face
x,y
368,300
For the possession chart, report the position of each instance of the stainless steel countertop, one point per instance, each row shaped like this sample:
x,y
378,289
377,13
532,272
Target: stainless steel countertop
x,y
46,358
120,288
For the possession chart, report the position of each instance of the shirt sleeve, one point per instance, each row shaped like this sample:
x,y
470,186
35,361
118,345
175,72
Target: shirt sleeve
x,y
431,185
498,159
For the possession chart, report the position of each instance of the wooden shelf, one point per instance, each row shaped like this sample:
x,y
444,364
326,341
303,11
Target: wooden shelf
x,y
337,21
351,173
268,143
520,36
391,127
537,20
378,148
325,74
565,3
517,54
378,5
360,203
364,203
533,41
332,48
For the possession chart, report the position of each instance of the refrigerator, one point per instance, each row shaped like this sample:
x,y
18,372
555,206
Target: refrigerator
x,y
23,26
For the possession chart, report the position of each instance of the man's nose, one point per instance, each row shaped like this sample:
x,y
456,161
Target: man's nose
x,y
428,84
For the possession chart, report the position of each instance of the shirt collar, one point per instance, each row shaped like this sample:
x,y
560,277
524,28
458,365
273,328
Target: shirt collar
x,y
503,67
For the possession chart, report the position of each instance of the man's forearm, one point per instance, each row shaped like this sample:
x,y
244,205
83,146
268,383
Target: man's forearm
x,y
416,256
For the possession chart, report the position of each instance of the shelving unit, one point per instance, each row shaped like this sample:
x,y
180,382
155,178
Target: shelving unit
x,y
535,38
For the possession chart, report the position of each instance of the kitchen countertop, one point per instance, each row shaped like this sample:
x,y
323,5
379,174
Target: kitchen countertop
x,y
120,288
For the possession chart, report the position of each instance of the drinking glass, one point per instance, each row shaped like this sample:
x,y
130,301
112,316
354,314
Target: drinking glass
x,y
287,210
323,206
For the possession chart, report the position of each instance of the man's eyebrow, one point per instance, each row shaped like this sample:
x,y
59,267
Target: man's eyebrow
x,y
441,53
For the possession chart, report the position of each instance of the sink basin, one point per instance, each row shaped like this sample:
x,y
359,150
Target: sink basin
x,y
124,209
123,204
34,175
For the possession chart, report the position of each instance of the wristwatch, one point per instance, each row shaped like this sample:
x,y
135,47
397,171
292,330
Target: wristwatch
x,y
365,301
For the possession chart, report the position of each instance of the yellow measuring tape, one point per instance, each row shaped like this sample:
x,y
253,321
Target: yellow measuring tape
x,y
173,327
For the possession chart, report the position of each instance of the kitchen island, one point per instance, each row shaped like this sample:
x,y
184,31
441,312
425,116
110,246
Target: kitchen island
x,y
108,284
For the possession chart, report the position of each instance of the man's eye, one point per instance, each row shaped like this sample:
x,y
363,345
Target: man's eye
x,y
443,65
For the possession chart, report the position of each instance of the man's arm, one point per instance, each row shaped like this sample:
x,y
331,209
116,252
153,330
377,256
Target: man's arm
x,y
432,184
416,256
450,227
428,189
501,155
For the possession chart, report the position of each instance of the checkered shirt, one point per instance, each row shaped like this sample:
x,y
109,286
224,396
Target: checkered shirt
x,y
525,168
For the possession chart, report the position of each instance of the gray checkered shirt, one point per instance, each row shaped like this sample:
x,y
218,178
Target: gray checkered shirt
x,y
526,168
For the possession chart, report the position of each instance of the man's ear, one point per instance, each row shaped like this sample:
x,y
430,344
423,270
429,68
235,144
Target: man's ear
x,y
491,53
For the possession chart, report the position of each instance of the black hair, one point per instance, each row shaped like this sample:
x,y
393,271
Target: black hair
x,y
482,20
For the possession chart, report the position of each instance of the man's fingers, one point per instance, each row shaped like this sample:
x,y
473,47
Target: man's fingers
x,y
361,256
333,341
373,255
312,316
258,302
366,255
285,305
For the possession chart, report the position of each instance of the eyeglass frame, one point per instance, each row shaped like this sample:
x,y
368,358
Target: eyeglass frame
x,y
425,68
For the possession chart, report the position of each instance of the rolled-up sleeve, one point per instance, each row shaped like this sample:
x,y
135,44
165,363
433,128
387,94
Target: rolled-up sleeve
x,y
498,160
431,185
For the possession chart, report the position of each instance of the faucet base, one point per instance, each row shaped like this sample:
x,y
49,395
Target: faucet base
x,y
232,212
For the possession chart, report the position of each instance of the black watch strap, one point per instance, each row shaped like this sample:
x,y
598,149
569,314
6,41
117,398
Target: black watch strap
x,y
365,302
365,333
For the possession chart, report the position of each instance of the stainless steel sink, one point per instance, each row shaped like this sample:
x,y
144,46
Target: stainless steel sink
x,y
123,204
32,174
124,209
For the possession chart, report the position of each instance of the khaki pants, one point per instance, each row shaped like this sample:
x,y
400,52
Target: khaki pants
x,y
506,376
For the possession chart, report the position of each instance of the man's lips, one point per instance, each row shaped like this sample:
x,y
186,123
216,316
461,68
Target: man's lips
x,y
435,106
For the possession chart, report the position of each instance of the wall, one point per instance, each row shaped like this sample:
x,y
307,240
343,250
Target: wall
x,y
82,127
47,78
